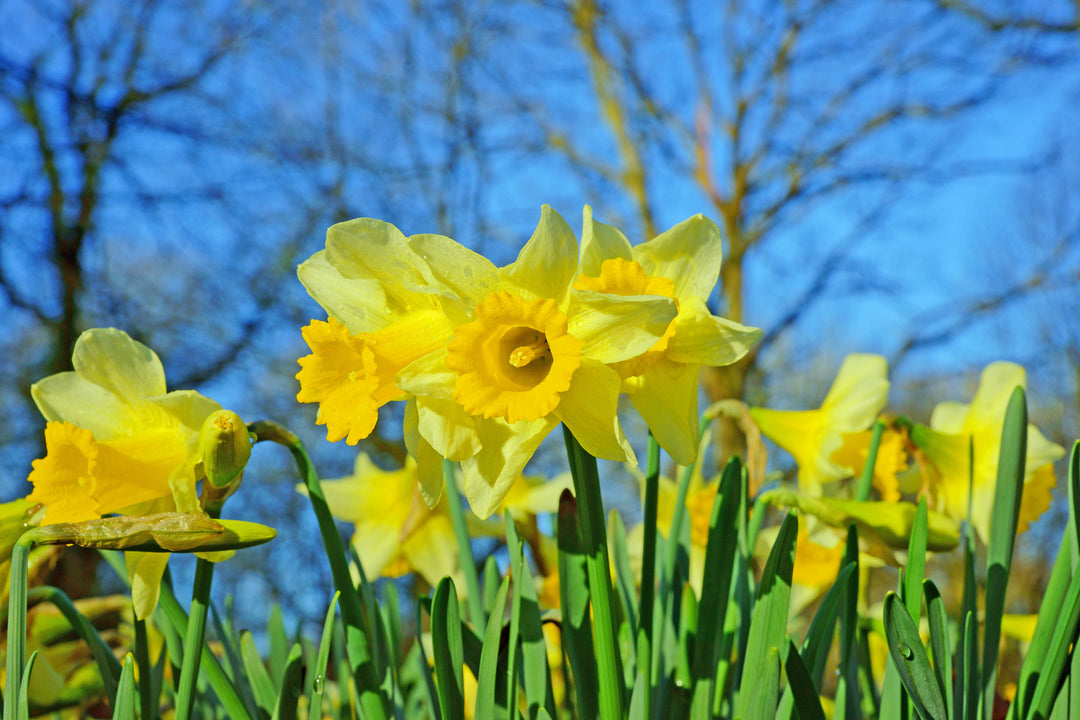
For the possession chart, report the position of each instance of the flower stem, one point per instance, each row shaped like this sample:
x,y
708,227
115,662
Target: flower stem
x,y
648,572
193,641
142,660
601,595
358,629
862,492
16,627
465,554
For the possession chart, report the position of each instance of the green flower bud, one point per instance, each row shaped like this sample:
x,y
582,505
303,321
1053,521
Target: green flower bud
x,y
164,532
225,446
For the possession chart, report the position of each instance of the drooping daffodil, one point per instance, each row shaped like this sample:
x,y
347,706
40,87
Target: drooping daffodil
x,y
682,263
957,429
118,442
490,359
395,531
857,395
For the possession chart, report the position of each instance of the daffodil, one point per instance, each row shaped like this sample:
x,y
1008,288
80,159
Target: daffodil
x,y
856,397
957,429
490,359
891,461
395,530
117,442
682,264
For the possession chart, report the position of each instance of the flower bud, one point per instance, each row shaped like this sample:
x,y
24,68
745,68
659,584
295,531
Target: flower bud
x,y
163,532
225,446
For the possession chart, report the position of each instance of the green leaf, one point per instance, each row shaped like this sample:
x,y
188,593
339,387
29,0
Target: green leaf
x,y
911,661
1003,523
124,704
290,685
1057,652
624,578
489,681
848,680
720,557
803,688
525,613
765,689
768,622
261,684
968,674
574,599
447,650
940,647
279,645
916,565
322,658
22,708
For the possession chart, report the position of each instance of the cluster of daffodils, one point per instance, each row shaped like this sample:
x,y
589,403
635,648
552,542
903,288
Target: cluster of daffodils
x,y
957,450
118,443
489,360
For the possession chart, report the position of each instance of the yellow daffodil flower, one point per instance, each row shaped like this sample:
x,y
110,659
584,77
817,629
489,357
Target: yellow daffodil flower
x,y
954,427
890,463
117,442
395,531
490,359
683,264
856,397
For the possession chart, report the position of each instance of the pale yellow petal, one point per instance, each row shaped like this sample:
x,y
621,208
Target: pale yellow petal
x,y
188,407
112,359
138,469
949,417
1038,494
688,254
432,549
375,250
590,410
547,264
617,328
378,546
446,426
182,482
505,450
666,395
429,463
600,242
1041,451
359,303
996,386
144,571
469,276
428,376
66,397
858,394
705,339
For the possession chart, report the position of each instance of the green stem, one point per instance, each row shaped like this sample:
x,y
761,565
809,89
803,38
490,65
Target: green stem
x,y
465,554
594,537
373,704
16,636
193,641
648,571
142,660
862,492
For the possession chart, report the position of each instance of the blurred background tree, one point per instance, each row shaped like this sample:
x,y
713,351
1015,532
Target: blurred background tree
x,y
167,164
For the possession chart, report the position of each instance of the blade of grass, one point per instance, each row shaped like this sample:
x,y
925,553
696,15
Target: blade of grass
x,y
911,661
322,658
574,600
290,683
466,560
803,689
487,680
447,650
648,574
940,647
1003,523
594,540
124,704
768,623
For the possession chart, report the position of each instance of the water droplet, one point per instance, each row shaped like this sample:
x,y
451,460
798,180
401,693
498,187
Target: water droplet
x,y
316,685
907,652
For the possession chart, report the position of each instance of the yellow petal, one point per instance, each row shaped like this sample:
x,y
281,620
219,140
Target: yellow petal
x,y
515,360
590,410
949,417
428,376
145,570
188,408
600,242
801,433
431,550
63,480
375,250
467,275
689,254
429,463
378,548
359,303
546,266
996,385
705,339
1037,496
138,469
858,393
110,358
446,426
505,450
666,396
618,329
66,397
